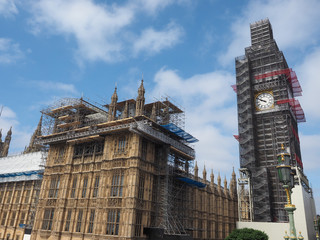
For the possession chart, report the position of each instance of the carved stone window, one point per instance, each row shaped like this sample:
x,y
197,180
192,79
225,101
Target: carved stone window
x,y
68,220
91,221
54,187
113,222
117,184
74,187
79,221
47,219
84,187
96,187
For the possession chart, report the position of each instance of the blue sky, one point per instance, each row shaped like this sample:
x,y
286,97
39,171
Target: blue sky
x,y
184,49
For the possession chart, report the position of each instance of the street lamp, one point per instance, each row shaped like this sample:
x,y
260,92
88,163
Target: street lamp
x,y
286,177
316,226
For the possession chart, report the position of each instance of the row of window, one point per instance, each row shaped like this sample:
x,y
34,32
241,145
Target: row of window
x,y
116,186
6,197
112,225
12,218
89,149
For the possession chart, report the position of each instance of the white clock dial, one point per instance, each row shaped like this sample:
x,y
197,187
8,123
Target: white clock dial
x,y
264,101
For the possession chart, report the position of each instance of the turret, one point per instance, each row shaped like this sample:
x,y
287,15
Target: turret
x,y
196,169
225,186
211,179
140,100
6,143
37,133
204,174
219,182
113,106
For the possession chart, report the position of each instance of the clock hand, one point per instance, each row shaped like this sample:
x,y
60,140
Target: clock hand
x,y
262,100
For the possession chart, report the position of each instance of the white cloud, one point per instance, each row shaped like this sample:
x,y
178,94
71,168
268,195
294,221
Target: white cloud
x,y
93,26
210,112
101,31
20,134
10,51
54,86
8,8
295,25
308,73
152,41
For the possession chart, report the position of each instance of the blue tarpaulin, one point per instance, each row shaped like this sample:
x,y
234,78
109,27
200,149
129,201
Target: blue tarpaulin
x,y
192,182
29,173
179,132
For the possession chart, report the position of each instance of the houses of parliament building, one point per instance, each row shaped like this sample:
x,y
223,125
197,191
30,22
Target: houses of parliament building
x,y
124,170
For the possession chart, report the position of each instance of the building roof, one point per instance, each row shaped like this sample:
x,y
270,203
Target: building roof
x,y
22,167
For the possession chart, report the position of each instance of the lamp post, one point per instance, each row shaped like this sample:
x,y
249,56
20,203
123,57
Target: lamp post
x,y
286,177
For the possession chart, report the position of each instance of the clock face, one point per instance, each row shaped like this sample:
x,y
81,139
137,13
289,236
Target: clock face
x,y
264,101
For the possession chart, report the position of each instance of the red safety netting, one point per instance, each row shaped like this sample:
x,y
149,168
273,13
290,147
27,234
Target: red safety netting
x,y
296,108
292,78
298,160
234,87
236,137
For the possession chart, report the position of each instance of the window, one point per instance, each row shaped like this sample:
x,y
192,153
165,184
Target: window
x,y
54,187
84,187
88,149
141,187
121,144
96,187
47,219
74,187
113,222
26,199
117,185
22,218
137,230
144,149
4,217
9,195
60,155
91,221
1,196
18,193
13,217
67,226
78,228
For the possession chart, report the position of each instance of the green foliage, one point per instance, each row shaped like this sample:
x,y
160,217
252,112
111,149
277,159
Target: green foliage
x,y
247,234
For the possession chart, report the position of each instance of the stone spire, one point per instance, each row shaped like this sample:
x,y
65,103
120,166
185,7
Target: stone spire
x,y
196,169
225,185
212,177
219,182
125,112
233,184
37,133
6,143
140,100
113,106
153,113
204,174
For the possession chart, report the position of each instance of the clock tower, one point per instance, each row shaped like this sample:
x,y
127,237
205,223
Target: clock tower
x,y
268,114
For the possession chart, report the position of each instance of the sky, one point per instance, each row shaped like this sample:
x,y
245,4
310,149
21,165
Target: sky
x,y
181,48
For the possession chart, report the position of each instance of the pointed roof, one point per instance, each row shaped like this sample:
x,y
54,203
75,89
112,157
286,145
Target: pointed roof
x,y
114,97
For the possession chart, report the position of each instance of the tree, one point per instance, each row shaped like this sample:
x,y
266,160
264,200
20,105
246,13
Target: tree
x,y
247,234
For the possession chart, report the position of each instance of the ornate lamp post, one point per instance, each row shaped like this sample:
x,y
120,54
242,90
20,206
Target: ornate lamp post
x,y
286,177
316,226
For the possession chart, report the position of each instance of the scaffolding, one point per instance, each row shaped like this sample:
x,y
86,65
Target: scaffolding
x,y
261,133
